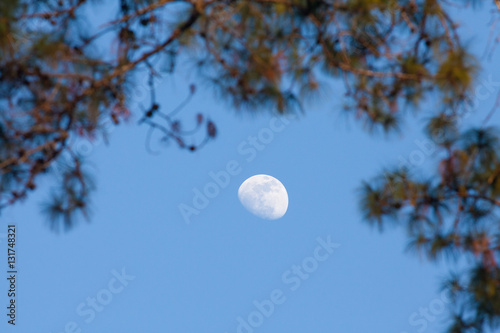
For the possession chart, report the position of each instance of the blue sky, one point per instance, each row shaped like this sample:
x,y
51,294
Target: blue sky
x,y
139,267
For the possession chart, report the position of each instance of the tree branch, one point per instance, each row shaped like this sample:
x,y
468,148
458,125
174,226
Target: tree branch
x,y
175,34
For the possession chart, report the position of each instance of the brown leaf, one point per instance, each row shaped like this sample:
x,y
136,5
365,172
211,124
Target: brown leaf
x,y
180,142
211,130
199,118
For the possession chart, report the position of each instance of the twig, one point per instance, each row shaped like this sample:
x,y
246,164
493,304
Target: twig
x,y
493,109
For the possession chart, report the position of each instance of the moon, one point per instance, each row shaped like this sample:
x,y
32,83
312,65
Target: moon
x,y
264,196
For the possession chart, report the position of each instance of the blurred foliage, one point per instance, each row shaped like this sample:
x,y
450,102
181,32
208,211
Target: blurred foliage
x,y
58,84
451,215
